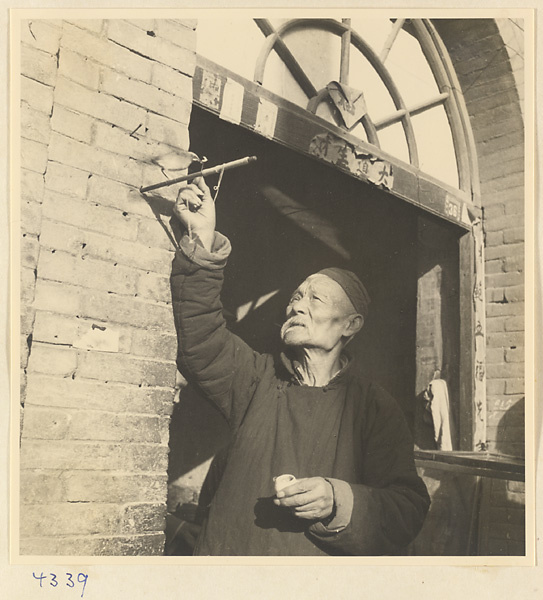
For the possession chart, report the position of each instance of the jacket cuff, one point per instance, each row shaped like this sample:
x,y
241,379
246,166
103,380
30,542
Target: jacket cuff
x,y
194,251
343,507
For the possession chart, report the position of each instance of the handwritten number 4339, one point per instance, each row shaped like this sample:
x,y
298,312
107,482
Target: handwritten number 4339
x,y
69,580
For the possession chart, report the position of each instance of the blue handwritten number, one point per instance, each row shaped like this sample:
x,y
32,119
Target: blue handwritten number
x,y
54,583
70,580
82,578
41,577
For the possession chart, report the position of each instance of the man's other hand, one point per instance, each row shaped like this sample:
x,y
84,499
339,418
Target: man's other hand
x,y
310,498
196,210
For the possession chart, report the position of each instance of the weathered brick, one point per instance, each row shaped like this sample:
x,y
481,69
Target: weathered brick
x,y
514,324
495,295
514,192
97,274
514,293
72,124
37,485
514,355
32,185
126,369
495,356
132,311
151,233
28,284
31,214
66,180
41,33
168,131
495,386
493,211
27,319
71,454
509,308
106,53
190,23
508,251
45,423
509,180
76,241
79,69
494,266
170,80
506,370
514,386
123,142
139,518
493,238
127,35
155,287
146,96
145,24
38,65
93,395
35,125
29,251
38,95
66,518
85,215
54,329
56,297
92,486
33,156
512,236
110,427
494,324
498,156
132,545
508,339
98,105
177,33
503,223
514,262
154,344
94,25
53,360
76,154
504,279
118,195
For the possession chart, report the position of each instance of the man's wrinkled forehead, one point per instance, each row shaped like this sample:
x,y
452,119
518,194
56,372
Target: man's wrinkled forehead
x,y
325,286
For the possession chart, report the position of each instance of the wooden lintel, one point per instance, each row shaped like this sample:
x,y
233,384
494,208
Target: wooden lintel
x,y
267,114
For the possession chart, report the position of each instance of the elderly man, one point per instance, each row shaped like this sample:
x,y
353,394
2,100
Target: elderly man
x,y
307,413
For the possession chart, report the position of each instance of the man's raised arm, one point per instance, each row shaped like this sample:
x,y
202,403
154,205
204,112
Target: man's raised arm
x,y
219,363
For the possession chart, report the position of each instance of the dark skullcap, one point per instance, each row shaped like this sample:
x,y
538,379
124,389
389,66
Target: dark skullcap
x,y
352,286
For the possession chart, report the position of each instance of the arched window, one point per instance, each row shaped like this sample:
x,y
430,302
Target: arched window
x,y
388,82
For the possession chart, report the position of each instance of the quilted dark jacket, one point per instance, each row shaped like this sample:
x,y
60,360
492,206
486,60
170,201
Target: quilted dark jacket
x,y
359,441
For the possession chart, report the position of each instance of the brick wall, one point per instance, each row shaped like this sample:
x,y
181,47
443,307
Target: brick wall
x,y
490,74
100,99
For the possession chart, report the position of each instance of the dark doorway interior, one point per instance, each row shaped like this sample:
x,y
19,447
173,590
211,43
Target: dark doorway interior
x,y
288,216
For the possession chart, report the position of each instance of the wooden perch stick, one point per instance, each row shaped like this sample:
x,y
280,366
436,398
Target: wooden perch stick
x,y
204,172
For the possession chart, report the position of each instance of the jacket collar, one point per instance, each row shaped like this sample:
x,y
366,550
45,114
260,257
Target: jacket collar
x,y
292,366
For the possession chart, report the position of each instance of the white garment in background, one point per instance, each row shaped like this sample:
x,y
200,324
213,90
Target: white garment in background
x,y
441,415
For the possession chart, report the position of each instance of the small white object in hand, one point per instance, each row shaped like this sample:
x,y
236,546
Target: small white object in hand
x,y
283,481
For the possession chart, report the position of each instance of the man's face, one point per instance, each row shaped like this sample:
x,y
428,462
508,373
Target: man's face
x,y
317,314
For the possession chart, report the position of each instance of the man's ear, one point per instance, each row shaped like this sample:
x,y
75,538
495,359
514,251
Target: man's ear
x,y
354,325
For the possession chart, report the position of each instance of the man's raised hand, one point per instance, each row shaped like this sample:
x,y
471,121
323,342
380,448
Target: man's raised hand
x,y
196,210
